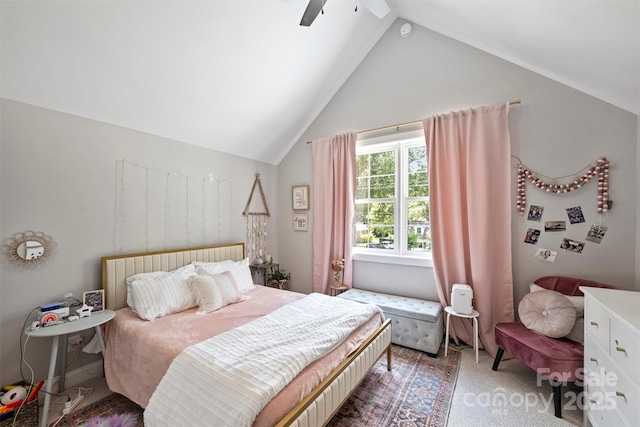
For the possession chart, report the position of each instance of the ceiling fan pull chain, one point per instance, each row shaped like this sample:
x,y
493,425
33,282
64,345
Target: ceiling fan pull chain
x,y
322,7
356,6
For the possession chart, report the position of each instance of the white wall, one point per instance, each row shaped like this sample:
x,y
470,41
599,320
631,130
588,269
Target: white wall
x,y
59,177
556,131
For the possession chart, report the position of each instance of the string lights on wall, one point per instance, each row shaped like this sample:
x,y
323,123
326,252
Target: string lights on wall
x,y
599,168
223,198
159,209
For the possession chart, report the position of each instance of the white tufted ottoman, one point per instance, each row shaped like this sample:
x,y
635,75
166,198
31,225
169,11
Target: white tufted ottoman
x,y
416,323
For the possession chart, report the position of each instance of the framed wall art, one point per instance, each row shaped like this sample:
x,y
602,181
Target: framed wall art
x,y
301,222
300,197
94,299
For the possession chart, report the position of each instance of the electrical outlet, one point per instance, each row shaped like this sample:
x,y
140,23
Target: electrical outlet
x,y
73,343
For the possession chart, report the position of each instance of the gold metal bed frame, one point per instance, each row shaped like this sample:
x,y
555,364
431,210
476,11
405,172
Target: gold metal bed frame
x,y
325,400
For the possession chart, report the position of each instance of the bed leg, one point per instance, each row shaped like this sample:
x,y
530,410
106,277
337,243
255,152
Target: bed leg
x,y
389,358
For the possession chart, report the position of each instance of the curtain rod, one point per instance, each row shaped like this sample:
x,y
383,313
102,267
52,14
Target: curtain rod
x,y
517,101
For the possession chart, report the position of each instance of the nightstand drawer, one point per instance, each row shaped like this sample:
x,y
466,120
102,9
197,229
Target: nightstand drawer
x,y
625,349
597,323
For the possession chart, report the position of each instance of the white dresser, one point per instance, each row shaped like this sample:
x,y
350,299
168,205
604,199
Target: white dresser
x,y
611,357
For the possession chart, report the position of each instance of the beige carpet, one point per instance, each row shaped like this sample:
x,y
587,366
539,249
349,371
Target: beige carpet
x,y
507,397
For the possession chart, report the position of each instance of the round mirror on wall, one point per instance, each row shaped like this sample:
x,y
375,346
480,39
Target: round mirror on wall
x,y
28,248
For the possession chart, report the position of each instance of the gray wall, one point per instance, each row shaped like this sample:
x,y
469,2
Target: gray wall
x,y
59,177
555,131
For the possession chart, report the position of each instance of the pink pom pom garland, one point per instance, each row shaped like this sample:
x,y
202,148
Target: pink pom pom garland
x,y
600,169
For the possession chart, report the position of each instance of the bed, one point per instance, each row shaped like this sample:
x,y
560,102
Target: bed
x,y
135,368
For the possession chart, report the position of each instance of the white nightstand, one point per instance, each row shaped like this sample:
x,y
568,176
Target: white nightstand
x,y
62,330
474,315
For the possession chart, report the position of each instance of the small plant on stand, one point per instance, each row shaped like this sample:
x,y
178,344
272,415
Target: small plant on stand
x,y
279,279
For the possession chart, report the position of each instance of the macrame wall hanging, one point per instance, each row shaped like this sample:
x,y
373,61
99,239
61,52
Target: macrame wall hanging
x,y
599,168
156,209
256,224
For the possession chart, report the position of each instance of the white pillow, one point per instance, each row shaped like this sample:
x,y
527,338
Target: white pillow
x,y
242,275
240,271
577,301
136,277
214,291
158,296
548,313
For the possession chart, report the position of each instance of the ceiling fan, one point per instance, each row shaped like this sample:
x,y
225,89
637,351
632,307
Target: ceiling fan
x,y
379,8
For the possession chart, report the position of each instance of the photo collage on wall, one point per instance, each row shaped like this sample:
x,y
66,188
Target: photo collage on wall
x,y
575,216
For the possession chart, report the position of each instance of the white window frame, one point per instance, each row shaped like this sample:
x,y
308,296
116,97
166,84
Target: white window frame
x,y
400,255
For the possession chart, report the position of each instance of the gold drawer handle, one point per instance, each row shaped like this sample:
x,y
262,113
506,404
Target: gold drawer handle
x,y
594,323
620,394
593,401
593,359
621,349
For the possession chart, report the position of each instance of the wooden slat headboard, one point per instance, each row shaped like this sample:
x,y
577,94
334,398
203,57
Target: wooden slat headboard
x,y
116,269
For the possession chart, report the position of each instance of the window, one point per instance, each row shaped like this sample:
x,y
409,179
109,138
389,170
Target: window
x,y
392,198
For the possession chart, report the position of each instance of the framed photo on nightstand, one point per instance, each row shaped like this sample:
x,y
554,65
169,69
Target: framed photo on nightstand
x,y
94,299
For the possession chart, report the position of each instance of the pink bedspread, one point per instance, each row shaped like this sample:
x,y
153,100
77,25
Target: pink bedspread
x,y
139,352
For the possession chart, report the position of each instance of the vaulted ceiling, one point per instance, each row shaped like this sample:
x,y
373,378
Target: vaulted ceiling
x,y
243,77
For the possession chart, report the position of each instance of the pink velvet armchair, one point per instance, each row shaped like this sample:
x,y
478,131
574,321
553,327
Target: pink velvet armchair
x,y
559,360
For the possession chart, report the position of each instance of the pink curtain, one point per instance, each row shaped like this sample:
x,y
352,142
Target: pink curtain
x,y
334,182
468,154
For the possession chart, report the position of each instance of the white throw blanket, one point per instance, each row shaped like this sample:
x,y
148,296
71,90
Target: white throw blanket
x,y
228,379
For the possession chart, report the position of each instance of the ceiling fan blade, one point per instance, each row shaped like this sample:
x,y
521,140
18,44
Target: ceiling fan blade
x,y
379,8
313,8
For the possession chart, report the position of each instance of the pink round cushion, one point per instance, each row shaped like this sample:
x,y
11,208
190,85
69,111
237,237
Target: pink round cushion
x,y
548,313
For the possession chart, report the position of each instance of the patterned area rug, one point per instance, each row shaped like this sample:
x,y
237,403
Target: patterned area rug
x,y
416,392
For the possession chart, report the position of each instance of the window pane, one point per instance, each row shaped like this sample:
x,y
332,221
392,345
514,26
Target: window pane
x,y
374,225
418,179
383,163
361,214
362,165
383,187
418,228
362,188
376,177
